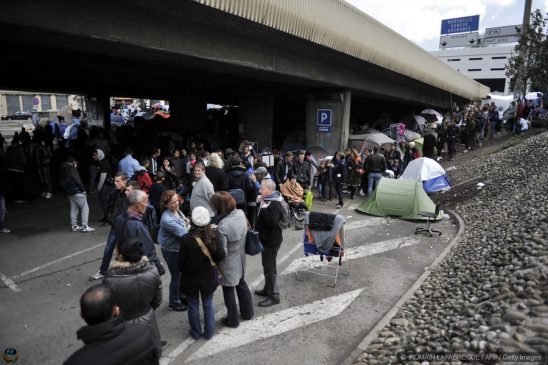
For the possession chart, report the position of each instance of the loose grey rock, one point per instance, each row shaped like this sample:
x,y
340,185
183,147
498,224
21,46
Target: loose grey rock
x,y
402,322
513,316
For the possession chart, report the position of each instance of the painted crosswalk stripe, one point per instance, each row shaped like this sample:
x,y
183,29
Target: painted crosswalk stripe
x,y
353,253
274,324
365,223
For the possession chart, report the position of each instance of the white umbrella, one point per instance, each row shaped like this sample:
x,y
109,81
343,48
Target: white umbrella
x,y
438,115
375,139
410,135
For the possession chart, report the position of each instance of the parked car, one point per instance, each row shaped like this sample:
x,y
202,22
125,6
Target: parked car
x,y
17,116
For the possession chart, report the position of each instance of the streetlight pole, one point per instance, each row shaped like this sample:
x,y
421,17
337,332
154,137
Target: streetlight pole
x,y
524,29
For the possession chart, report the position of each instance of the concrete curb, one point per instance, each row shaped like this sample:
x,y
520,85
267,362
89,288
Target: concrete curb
x,y
390,314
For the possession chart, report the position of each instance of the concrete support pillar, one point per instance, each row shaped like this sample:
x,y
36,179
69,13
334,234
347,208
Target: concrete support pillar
x,y
328,120
100,110
256,113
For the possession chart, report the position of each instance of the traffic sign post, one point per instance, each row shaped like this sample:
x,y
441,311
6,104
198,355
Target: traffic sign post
x,y
499,35
35,103
323,120
506,31
460,25
459,40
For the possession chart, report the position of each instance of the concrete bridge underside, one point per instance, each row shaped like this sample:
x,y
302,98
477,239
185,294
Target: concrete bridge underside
x,y
181,50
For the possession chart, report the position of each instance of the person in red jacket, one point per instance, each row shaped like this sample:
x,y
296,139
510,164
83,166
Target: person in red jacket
x,y
142,176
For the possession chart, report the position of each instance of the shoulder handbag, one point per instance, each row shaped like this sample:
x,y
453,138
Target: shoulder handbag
x,y
253,245
216,272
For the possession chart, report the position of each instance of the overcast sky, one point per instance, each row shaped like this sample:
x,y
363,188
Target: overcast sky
x,y
420,20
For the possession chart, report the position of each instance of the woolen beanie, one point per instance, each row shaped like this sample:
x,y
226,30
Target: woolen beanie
x,y
200,216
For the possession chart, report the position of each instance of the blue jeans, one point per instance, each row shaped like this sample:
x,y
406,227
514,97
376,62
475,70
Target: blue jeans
x,y
492,129
373,180
109,249
2,211
173,266
194,316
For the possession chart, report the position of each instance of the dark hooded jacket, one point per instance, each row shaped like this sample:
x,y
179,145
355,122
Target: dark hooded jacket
x,y
114,342
137,289
238,178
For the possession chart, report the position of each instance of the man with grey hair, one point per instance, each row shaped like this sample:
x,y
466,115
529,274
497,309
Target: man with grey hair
x,y
130,223
270,214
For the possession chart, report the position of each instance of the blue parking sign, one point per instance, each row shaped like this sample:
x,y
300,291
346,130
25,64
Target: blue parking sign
x,y
323,118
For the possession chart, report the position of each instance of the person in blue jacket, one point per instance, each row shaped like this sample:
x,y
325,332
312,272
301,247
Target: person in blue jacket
x,y
173,226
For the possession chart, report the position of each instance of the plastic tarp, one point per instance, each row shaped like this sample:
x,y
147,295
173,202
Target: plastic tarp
x,y
399,198
428,172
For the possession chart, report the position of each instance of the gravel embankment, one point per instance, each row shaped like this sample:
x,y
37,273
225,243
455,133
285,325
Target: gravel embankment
x,y
490,294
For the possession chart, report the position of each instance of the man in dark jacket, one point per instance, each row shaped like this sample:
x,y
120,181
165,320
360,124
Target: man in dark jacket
x,y
302,170
267,224
16,165
285,168
117,199
130,223
376,166
3,189
452,133
74,188
429,145
109,341
238,179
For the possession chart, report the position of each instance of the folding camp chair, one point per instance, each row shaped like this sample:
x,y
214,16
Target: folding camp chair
x,y
326,259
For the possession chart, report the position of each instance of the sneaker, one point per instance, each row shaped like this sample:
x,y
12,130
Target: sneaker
x,y
338,206
48,196
5,230
86,229
44,195
362,193
96,276
76,228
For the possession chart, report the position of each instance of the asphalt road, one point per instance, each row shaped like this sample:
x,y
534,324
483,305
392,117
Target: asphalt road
x,y
44,269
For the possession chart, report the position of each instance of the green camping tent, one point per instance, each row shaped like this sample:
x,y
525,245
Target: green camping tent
x,y
399,198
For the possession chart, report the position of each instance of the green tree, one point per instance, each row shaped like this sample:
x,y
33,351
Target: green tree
x,y
530,64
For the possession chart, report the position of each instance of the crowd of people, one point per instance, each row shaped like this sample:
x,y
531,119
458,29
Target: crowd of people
x,y
197,204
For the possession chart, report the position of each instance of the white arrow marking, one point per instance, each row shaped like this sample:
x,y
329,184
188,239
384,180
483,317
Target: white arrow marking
x,y
353,253
277,323
9,283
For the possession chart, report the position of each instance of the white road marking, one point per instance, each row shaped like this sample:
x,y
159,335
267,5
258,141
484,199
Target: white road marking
x,y
57,261
280,261
274,324
365,223
9,283
353,253
165,360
